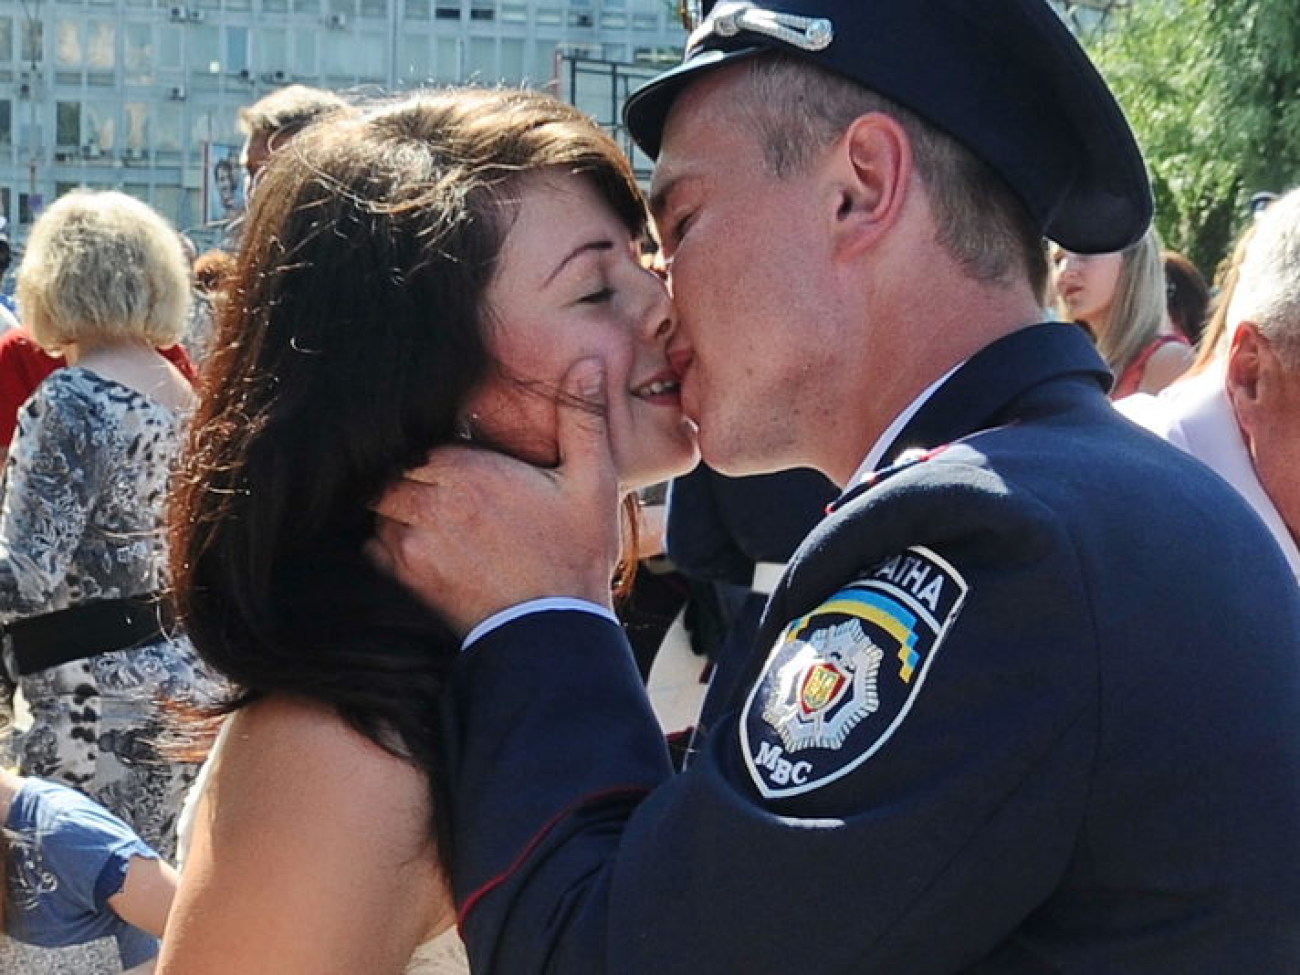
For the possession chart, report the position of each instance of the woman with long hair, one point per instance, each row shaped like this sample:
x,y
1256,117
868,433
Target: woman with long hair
x,y
411,274
1120,298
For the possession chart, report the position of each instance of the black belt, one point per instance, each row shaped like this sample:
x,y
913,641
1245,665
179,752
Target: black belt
x,y
41,642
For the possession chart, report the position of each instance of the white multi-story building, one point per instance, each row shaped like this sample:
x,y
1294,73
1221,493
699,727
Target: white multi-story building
x,y
142,95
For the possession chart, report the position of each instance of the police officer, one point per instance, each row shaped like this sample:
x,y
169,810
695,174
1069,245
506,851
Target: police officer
x,y
1009,711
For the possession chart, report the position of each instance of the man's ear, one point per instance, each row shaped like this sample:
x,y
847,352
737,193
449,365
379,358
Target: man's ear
x,y
874,169
1249,359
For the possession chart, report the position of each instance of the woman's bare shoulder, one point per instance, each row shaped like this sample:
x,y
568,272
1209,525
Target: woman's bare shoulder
x,y
287,760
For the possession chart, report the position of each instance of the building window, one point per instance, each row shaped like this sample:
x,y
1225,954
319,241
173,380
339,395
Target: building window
x,y
447,61
482,60
414,69
101,45
236,50
138,53
513,66
33,41
304,54
203,50
337,57
29,205
98,128
272,49
167,201
369,57
6,39
67,124
165,127
169,47
6,122
417,9
136,142
67,43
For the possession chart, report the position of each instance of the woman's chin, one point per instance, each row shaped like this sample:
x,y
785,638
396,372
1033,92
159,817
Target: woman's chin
x,y
648,468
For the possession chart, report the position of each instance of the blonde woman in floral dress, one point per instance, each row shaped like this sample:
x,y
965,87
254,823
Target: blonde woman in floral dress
x,y
89,639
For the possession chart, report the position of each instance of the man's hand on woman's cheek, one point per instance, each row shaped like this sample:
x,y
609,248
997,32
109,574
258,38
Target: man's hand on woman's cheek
x,y
473,532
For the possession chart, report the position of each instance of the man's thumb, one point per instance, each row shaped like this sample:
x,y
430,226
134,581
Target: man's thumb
x,y
583,435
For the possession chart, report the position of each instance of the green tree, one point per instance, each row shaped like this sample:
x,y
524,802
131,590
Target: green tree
x,y
1212,89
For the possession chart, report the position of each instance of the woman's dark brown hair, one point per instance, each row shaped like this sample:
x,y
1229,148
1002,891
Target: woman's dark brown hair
x,y
354,328
1187,296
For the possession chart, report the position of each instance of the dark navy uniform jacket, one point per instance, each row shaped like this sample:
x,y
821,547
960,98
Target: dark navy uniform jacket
x,y
719,527
1028,705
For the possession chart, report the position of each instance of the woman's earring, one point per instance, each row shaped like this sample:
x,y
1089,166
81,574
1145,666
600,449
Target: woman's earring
x,y
464,428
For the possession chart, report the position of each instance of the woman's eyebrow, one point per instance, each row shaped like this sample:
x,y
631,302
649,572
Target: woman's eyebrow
x,y
590,245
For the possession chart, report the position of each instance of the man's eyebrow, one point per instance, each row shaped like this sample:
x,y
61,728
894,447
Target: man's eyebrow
x,y
584,247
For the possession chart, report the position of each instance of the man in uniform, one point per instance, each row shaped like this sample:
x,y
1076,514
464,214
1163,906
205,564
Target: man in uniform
x,y
1022,703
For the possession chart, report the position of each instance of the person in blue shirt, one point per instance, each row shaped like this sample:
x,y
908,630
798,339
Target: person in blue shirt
x,y
79,882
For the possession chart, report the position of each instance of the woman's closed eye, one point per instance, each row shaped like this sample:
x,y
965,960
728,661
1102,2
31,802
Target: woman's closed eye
x,y
599,296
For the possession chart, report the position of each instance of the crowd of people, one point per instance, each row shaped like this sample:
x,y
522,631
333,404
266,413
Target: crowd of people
x,y
318,550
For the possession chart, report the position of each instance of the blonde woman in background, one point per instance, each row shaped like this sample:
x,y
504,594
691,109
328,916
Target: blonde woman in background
x,y
1120,298
89,634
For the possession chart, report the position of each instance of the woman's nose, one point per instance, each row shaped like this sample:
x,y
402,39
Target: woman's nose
x,y
661,316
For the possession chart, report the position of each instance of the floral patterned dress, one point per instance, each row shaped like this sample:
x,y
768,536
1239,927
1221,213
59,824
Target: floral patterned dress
x,y
84,494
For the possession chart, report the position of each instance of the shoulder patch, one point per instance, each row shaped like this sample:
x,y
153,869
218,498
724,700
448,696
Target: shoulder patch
x,y
841,680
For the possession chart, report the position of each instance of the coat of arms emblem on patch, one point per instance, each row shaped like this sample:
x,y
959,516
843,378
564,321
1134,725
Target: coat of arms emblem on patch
x,y
836,666
841,679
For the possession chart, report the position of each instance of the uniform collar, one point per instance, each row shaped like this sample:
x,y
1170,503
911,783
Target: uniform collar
x,y
977,393
974,395
886,439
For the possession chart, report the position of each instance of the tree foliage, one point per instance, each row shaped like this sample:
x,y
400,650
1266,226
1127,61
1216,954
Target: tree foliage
x,y
1212,89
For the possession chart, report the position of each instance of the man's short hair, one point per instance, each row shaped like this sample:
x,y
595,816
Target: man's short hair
x,y
1268,283
287,110
798,109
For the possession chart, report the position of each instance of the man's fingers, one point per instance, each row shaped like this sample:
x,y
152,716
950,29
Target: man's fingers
x,y
408,501
584,432
444,459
